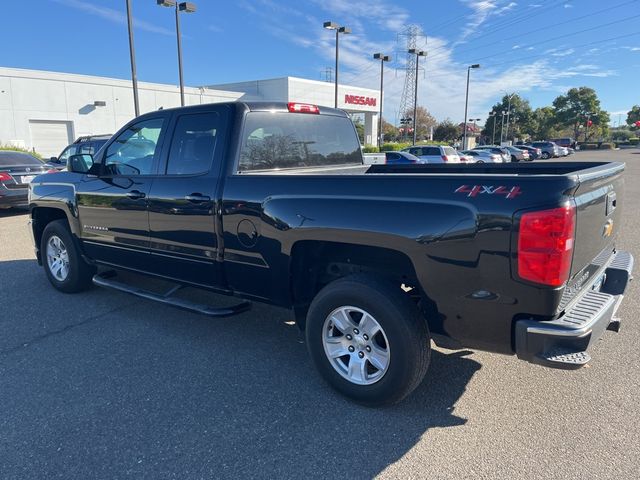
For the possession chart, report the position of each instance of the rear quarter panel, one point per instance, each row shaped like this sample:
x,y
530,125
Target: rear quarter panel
x,y
458,243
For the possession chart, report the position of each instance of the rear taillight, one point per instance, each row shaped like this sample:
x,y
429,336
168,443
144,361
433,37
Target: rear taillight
x,y
545,245
4,177
302,108
445,158
496,157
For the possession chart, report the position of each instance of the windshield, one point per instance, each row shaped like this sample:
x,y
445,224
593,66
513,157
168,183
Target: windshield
x,y
8,157
293,140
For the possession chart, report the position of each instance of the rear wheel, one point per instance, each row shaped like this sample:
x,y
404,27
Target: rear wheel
x,y
368,339
513,158
65,268
545,155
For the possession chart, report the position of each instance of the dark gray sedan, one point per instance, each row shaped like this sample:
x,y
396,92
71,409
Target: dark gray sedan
x,y
17,169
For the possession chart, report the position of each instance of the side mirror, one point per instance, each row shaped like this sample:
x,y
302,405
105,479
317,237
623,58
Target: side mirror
x,y
80,163
54,160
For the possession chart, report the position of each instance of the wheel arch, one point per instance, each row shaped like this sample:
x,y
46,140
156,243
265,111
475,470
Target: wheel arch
x,y
315,264
40,218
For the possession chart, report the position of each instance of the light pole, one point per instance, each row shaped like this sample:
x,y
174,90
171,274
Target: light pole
x,y
383,58
418,54
475,126
493,136
132,54
466,104
508,113
186,7
502,127
339,30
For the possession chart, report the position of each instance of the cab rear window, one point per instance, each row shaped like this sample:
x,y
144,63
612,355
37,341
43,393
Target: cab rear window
x,y
273,141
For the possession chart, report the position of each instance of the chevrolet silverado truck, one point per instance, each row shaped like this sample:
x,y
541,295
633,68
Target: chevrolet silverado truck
x,y
271,202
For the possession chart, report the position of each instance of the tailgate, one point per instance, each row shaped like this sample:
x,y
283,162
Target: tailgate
x,y
598,209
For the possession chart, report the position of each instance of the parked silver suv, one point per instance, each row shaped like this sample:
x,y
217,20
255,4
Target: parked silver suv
x,y
549,149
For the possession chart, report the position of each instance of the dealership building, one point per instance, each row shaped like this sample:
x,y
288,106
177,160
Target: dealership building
x,y
45,111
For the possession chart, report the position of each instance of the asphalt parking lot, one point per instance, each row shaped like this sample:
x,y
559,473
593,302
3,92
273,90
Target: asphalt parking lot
x,y
104,385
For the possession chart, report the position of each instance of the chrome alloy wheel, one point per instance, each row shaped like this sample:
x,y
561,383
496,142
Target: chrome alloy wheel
x,y
356,345
57,258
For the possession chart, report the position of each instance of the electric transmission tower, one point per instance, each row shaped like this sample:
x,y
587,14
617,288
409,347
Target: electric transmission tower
x,y
412,32
327,74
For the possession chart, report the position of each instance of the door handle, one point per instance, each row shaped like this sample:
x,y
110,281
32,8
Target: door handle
x,y
197,198
135,194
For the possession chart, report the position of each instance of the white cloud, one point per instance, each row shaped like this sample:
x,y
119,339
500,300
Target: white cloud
x,y
564,53
215,29
482,10
568,5
515,47
112,15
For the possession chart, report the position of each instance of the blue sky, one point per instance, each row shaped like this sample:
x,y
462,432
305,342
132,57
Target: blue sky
x,y
538,48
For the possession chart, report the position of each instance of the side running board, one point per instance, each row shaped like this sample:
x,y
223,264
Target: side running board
x,y
107,280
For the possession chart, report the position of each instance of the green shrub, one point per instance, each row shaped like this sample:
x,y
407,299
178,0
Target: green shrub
x,y
634,141
370,149
606,146
393,146
588,146
13,148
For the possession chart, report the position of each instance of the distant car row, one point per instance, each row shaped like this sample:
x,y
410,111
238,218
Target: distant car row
x,y
480,154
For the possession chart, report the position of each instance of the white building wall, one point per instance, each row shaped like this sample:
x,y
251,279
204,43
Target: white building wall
x,y
294,89
30,95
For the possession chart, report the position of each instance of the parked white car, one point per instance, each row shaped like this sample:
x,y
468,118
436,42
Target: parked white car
x,y
484,156
434,153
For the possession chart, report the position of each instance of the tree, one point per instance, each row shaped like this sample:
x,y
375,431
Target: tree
x,y
543,124
424,122
520,118
357,122
446,131
580,109
633,116
389,132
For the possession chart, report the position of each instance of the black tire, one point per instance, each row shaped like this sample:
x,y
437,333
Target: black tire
x,y
545,156
403,325
79,273
514,159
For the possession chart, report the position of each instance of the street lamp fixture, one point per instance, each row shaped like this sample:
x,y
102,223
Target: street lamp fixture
x,y
466,104
339,29
383,58
184,7
418,54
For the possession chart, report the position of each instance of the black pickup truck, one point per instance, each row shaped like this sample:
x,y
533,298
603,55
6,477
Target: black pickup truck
x,y
271,203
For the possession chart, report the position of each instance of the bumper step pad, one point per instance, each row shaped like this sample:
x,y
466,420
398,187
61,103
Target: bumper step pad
x,y
568,361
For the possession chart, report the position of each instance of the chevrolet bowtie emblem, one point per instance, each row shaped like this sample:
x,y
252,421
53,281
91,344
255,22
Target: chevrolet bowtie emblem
x,y
608,228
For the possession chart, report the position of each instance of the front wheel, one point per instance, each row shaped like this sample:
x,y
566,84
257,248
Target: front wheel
x,y
65,268
545,156
368,339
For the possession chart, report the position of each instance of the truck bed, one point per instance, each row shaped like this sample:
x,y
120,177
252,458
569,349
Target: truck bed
x,y
511,169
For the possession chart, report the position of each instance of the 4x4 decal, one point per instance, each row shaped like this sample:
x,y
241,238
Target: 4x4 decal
x,y
475,190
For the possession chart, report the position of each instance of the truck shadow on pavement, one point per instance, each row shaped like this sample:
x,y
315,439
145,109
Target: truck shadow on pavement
x,y
103,385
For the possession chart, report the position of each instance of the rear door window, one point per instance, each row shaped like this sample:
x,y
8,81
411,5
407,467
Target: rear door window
x,y
431,151
194,143
273,141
